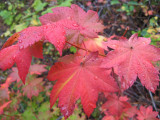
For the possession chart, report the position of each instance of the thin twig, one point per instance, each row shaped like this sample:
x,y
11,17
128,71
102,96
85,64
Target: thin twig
x,y
153,103
59,118
83,48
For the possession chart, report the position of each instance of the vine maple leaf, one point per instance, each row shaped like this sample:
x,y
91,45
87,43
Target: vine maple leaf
x,y
115,104
86,21
22,57
51,32
33,87
133,58
147,113
119,107
79,77
37,69
34,69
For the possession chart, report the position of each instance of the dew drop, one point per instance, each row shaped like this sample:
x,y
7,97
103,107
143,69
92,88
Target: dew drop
x,y
142,75
92,105
92,90
114,46
21,47
152,89
96,77
67,113
68,17
144,42
10,62
24,37
63,37
45,27
75,25
14,57
20,41
63,108
130,82
63,32
39,34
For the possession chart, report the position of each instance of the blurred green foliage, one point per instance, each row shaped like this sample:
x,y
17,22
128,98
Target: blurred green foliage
x,y
152,31
19,14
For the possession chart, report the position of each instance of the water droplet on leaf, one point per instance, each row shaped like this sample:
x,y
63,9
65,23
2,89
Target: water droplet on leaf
x,y
21,47
96,77
75,25
14,56
20,41
144,42
152,89
69,17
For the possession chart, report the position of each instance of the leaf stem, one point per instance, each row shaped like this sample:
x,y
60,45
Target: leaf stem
x,y
125,32
83,48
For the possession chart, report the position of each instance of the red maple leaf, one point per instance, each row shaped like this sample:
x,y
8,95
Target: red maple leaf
x,y
147,113
22,57
115,104
133,58
34,69
50,32
86,21
37,69
119,107
53,33
79,77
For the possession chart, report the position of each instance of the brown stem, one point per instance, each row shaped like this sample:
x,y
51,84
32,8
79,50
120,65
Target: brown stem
x,y
83,48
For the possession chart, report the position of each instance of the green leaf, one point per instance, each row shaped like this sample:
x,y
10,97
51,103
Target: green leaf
x,y
28,115
133,3
113,2
20,27
73,49
38,5
66,3
131,8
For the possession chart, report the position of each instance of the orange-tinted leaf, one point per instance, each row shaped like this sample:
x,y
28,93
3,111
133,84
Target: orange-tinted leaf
x,y
11,40
94,45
